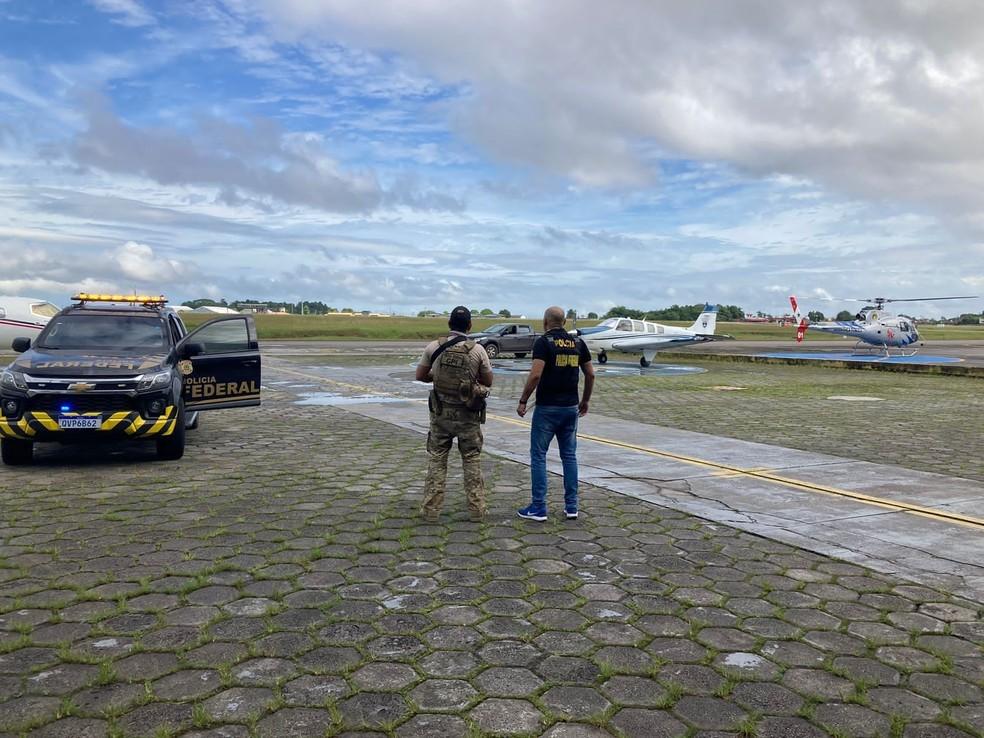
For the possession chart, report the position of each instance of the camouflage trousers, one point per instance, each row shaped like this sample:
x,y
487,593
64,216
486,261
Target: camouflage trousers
x,y
451,423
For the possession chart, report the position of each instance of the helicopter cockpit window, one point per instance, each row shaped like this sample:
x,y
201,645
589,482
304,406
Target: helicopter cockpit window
x,y
859,316
903,326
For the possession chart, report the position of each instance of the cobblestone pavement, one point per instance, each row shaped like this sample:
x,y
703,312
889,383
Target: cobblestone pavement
x,y
276,582
931,423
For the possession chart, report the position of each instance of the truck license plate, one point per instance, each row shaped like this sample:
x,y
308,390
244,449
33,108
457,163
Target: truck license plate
x,y
80,423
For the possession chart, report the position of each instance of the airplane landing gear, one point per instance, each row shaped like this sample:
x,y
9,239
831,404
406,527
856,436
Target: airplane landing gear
x,y
602,357
645,363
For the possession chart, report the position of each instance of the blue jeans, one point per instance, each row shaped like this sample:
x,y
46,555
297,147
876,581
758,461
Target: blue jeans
x,y
549,421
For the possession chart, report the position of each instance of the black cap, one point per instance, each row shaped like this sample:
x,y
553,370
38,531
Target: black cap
x,y
459,319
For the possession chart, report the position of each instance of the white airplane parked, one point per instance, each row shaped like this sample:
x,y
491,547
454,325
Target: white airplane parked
x,y
23,316
643,337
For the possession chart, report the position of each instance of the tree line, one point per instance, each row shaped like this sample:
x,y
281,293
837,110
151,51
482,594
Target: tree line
x,y
305,307
675,312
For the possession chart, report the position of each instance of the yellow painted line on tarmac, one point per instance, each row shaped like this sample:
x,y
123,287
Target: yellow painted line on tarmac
x,y
719,469
727,469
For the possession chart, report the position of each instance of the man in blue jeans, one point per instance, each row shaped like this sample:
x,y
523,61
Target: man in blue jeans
x,y
558,360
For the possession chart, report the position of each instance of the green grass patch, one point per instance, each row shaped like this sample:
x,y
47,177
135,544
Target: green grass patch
x,y
336,327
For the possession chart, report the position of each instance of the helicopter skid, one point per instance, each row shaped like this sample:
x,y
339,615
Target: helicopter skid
x,y
884,350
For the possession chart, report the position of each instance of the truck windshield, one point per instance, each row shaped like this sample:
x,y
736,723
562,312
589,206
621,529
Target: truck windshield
x,y
103,332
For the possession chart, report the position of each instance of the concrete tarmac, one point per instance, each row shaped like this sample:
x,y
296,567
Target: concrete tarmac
x,y
971,353
886,517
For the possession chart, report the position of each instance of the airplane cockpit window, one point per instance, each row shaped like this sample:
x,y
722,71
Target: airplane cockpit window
x,y
650,328
624,325
44,309
610,323
638,326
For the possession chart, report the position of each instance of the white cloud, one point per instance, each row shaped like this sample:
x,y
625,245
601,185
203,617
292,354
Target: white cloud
x,y
125,12
138,261
874,99
261,158
330,155
39,286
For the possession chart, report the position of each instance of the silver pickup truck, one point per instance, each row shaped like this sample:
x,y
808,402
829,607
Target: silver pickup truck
x,y
507,338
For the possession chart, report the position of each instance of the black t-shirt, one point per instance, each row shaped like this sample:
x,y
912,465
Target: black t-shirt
x,y
563,355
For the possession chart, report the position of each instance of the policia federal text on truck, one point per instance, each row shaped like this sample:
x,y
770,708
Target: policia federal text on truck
x,y
124,367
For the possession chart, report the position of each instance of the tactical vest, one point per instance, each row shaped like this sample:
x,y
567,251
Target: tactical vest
x,y
453,380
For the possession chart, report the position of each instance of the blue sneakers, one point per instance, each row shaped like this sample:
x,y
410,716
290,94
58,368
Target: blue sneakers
x,y
531,513
571,513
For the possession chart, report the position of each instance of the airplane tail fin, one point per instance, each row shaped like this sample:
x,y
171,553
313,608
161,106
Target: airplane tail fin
x,y
801,322
706,322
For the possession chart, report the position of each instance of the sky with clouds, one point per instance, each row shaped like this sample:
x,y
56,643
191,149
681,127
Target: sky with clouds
x,y
408,155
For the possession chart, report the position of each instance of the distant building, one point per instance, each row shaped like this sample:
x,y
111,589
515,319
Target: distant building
x,y
215,310
252,307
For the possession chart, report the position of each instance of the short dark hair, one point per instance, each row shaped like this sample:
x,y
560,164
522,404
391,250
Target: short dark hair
x,y
460,319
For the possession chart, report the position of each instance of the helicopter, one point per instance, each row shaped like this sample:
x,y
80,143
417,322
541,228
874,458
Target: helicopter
x,y
873,327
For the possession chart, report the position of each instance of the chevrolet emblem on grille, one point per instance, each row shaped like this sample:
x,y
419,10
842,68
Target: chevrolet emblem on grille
x,y
81,387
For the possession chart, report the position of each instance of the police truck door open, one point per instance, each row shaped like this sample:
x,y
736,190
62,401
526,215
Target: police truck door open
x,y
220,362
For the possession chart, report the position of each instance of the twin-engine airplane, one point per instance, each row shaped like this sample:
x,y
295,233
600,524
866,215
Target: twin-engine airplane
x,y
873,326
644,337
23,316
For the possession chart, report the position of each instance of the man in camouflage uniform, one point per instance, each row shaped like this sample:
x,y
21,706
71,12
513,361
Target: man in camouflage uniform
x,y
462,375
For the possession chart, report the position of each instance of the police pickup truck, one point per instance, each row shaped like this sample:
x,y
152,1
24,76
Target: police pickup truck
x,y
506,338
124,367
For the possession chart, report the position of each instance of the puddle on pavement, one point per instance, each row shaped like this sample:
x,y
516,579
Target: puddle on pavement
x,y
334,399
744,660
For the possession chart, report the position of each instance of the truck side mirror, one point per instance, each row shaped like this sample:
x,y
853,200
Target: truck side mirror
x,y
20,345
192,349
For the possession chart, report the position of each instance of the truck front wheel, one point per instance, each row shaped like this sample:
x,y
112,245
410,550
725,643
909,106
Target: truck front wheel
x,y
492,350
16,452
172,447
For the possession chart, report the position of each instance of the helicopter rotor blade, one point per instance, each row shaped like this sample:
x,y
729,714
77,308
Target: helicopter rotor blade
x,y
927,299
884,300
